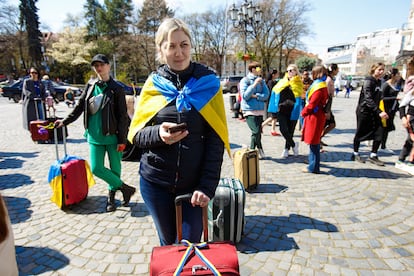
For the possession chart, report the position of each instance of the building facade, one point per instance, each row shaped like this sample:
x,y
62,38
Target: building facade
x,y
394,47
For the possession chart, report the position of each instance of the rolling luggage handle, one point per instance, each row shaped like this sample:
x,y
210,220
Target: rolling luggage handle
x,y
36,101
192,246
55,138
179,216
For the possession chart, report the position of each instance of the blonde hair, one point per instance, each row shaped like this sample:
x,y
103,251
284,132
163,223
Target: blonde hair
x,y
167,27
293,66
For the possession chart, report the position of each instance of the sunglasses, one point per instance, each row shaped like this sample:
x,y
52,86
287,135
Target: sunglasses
x,y
291,70
33,72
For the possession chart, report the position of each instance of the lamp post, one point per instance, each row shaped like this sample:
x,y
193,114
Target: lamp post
x,y
247,14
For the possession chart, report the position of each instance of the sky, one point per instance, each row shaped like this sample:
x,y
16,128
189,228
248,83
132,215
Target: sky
x,y
331,22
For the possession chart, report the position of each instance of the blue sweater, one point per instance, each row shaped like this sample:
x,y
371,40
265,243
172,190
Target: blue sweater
x,y
247,90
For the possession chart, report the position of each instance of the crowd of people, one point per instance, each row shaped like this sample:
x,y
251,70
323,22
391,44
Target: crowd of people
x,y
296,93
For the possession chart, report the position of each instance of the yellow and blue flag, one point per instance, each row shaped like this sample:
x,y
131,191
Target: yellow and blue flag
x,y
204,94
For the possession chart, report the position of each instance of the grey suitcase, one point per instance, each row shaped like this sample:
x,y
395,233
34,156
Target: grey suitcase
x,y
226,211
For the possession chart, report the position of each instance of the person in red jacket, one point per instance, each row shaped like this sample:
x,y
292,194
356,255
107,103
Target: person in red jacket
x,y
314,117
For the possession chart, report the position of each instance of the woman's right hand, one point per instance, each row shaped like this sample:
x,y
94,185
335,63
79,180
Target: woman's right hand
x,y
58,123
171,138
404,122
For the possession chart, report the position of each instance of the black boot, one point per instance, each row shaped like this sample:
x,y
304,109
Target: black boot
x,y
127,192
110,207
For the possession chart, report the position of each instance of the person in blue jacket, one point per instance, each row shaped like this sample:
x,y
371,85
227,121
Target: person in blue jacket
x,y
255,93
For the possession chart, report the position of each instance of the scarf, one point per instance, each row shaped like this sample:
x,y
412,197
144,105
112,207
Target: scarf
x,y
204,94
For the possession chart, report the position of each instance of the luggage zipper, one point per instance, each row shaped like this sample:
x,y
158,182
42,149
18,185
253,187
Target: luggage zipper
x,y
179,153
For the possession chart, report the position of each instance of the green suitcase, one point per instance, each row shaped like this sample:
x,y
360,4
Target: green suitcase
x,y
226,211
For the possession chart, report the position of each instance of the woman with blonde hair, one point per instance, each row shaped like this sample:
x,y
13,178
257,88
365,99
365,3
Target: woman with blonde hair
x,y
180,125
286,102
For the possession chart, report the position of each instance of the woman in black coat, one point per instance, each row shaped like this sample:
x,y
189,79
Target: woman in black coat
x,y
369,115
33,96
390,92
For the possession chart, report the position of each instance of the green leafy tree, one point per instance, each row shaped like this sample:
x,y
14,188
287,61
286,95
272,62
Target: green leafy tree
x,y
305,63
115,17
150,17
92,9
29,20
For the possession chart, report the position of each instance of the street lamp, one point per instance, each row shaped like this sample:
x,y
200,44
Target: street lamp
x,y
247,14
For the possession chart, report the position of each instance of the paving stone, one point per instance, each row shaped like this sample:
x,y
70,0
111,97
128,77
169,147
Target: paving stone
x,y
355,219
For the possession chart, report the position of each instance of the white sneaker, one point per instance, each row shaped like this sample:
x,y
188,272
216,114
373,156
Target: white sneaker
x,y
262,154
400,165
410,168
296,149
285,153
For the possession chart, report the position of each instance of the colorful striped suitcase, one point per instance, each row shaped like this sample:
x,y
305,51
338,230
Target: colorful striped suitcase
x,y
226,211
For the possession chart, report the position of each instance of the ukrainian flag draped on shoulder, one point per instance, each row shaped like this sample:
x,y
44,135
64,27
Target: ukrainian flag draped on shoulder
x,y
297,87
275,94
204,94
316,85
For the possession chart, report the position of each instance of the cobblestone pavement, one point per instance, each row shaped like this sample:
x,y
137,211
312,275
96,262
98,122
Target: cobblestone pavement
x,y
353,219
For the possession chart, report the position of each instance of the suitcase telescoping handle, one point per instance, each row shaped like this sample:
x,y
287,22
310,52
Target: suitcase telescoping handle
x,y
179,216
36,103
55,134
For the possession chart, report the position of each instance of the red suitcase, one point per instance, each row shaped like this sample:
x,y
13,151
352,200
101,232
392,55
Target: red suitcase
x,y
212,258
69,177
37,127
38,131
74,181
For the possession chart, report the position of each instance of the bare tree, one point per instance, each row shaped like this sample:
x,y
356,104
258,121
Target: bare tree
x,y
150,17
209,37
282,26
12,40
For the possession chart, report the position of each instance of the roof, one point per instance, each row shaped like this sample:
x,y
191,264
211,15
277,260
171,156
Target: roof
x,y
341,59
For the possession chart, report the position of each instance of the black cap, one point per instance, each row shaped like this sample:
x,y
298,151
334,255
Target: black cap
x,y
100,58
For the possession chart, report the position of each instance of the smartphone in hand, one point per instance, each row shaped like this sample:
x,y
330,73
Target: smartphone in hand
x,y
176,128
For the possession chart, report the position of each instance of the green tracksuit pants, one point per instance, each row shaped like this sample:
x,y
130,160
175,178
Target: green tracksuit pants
x,y
112,176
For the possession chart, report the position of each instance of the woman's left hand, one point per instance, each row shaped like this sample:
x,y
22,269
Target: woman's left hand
x,y
171,138
199,198
383,115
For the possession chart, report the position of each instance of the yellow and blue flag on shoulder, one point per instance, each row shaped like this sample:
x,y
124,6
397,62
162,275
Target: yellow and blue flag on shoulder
x,y
204,94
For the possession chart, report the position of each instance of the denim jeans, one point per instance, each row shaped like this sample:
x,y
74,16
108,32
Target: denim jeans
x,y
160,203
314,158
